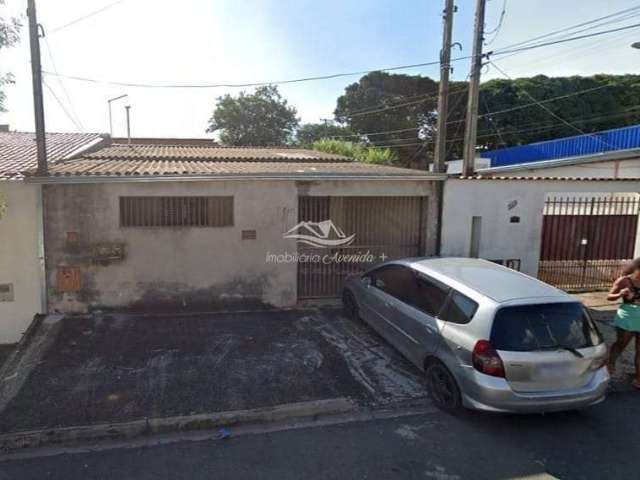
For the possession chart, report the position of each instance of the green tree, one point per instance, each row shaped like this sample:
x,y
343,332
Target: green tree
x,y
402,107
262,118
609,101
357,151
311,132
9,35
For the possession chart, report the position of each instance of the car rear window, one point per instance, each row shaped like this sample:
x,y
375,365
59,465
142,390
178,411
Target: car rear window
x,y
531,327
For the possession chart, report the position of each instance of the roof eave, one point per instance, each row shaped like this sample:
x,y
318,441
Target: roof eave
x,y
61,179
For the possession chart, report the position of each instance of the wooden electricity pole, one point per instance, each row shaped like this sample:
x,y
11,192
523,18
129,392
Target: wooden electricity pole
x,y
36,74
471,131
443,93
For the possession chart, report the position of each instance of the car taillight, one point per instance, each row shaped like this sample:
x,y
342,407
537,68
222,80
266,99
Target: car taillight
x,y
486,360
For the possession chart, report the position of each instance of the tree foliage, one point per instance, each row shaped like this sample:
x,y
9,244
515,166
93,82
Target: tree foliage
x,y
311,132
612,102
376,103
357,151
9,35
262,118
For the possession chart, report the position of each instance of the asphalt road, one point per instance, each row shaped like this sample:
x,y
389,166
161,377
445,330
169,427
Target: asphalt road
x,y
595,444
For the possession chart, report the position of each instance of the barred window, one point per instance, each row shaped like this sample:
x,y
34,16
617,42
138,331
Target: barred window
x,y
176,211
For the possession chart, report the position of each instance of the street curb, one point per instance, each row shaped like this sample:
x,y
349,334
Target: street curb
x,y
126,430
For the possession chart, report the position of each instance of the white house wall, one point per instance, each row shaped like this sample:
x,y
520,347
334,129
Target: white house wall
x,y
20,266
607,169
497,202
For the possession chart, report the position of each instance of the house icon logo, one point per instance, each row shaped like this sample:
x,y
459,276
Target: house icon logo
x,y
319,234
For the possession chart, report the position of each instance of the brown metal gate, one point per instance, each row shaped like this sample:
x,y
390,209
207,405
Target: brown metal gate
x,y
587,241
385,228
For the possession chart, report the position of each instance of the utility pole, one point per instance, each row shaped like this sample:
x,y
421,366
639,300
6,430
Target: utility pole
x,y
443,90
36,74
471,131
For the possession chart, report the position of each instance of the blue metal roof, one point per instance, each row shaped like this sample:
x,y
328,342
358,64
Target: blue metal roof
x,y
589,144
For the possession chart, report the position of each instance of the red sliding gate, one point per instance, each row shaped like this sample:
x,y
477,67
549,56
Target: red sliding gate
x,y
587,241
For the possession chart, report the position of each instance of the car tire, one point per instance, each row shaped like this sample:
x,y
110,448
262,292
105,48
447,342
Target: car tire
x,y
350,306
443,388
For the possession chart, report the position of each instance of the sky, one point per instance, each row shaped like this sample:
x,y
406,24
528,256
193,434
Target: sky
x,y
241,41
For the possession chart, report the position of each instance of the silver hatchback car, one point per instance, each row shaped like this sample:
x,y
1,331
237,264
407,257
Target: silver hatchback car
x,y
487,337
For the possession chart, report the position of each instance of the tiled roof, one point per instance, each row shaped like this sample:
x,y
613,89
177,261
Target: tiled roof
x,y
18,149
534,178
234,168
212,153
130,161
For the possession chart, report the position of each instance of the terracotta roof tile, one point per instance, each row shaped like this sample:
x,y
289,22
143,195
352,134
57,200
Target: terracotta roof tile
x,y
18,149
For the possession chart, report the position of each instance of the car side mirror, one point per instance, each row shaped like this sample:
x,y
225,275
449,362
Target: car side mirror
x,y
366,281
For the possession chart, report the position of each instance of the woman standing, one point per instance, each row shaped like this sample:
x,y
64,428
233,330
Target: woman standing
x,y
627,320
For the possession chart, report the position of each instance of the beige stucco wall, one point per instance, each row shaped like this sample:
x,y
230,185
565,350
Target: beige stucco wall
x,y
491,199
19,261
188,267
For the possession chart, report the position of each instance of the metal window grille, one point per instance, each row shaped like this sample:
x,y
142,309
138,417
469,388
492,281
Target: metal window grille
x,y
176,211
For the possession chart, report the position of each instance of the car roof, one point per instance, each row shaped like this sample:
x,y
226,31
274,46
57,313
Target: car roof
x,y
486,278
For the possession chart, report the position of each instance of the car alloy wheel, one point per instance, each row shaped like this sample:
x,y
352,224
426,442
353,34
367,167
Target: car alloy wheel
x,y
443,388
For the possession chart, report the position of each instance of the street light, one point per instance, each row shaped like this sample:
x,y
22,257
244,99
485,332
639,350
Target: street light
x,y
110,119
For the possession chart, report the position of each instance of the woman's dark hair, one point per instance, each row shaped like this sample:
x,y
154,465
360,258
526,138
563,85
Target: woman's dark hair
x,y
632,266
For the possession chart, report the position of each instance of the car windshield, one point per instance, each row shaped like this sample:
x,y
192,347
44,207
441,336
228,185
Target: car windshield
x,y
536,327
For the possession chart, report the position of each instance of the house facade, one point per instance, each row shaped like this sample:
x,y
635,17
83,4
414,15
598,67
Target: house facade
x,y
148,228
22,293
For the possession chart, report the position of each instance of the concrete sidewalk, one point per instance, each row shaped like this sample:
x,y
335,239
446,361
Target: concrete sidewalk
x,y
100,369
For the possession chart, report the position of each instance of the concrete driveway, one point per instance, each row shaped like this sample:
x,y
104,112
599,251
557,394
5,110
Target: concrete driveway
x,y
83,370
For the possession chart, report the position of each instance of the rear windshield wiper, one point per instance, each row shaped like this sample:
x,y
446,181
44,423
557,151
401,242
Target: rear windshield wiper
x,y
572,350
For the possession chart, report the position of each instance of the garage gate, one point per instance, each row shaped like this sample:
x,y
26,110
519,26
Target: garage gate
x,y
586,242
384,227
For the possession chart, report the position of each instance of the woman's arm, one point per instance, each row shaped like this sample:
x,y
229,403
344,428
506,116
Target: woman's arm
x,y
618,290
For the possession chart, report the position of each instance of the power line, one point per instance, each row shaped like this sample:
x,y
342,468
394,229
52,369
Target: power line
x,y
496,31
336,75
497,112
53,94
549,111
553,99
64,89
84,17
566,29
565,40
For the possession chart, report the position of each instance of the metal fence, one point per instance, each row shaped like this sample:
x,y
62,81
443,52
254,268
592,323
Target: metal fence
x,y
587,241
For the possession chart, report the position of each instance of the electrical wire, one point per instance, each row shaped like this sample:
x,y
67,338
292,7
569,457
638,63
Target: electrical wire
x,y
64,109
497,112
62,86
549,111
495,31
572,27
84,17
337,75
